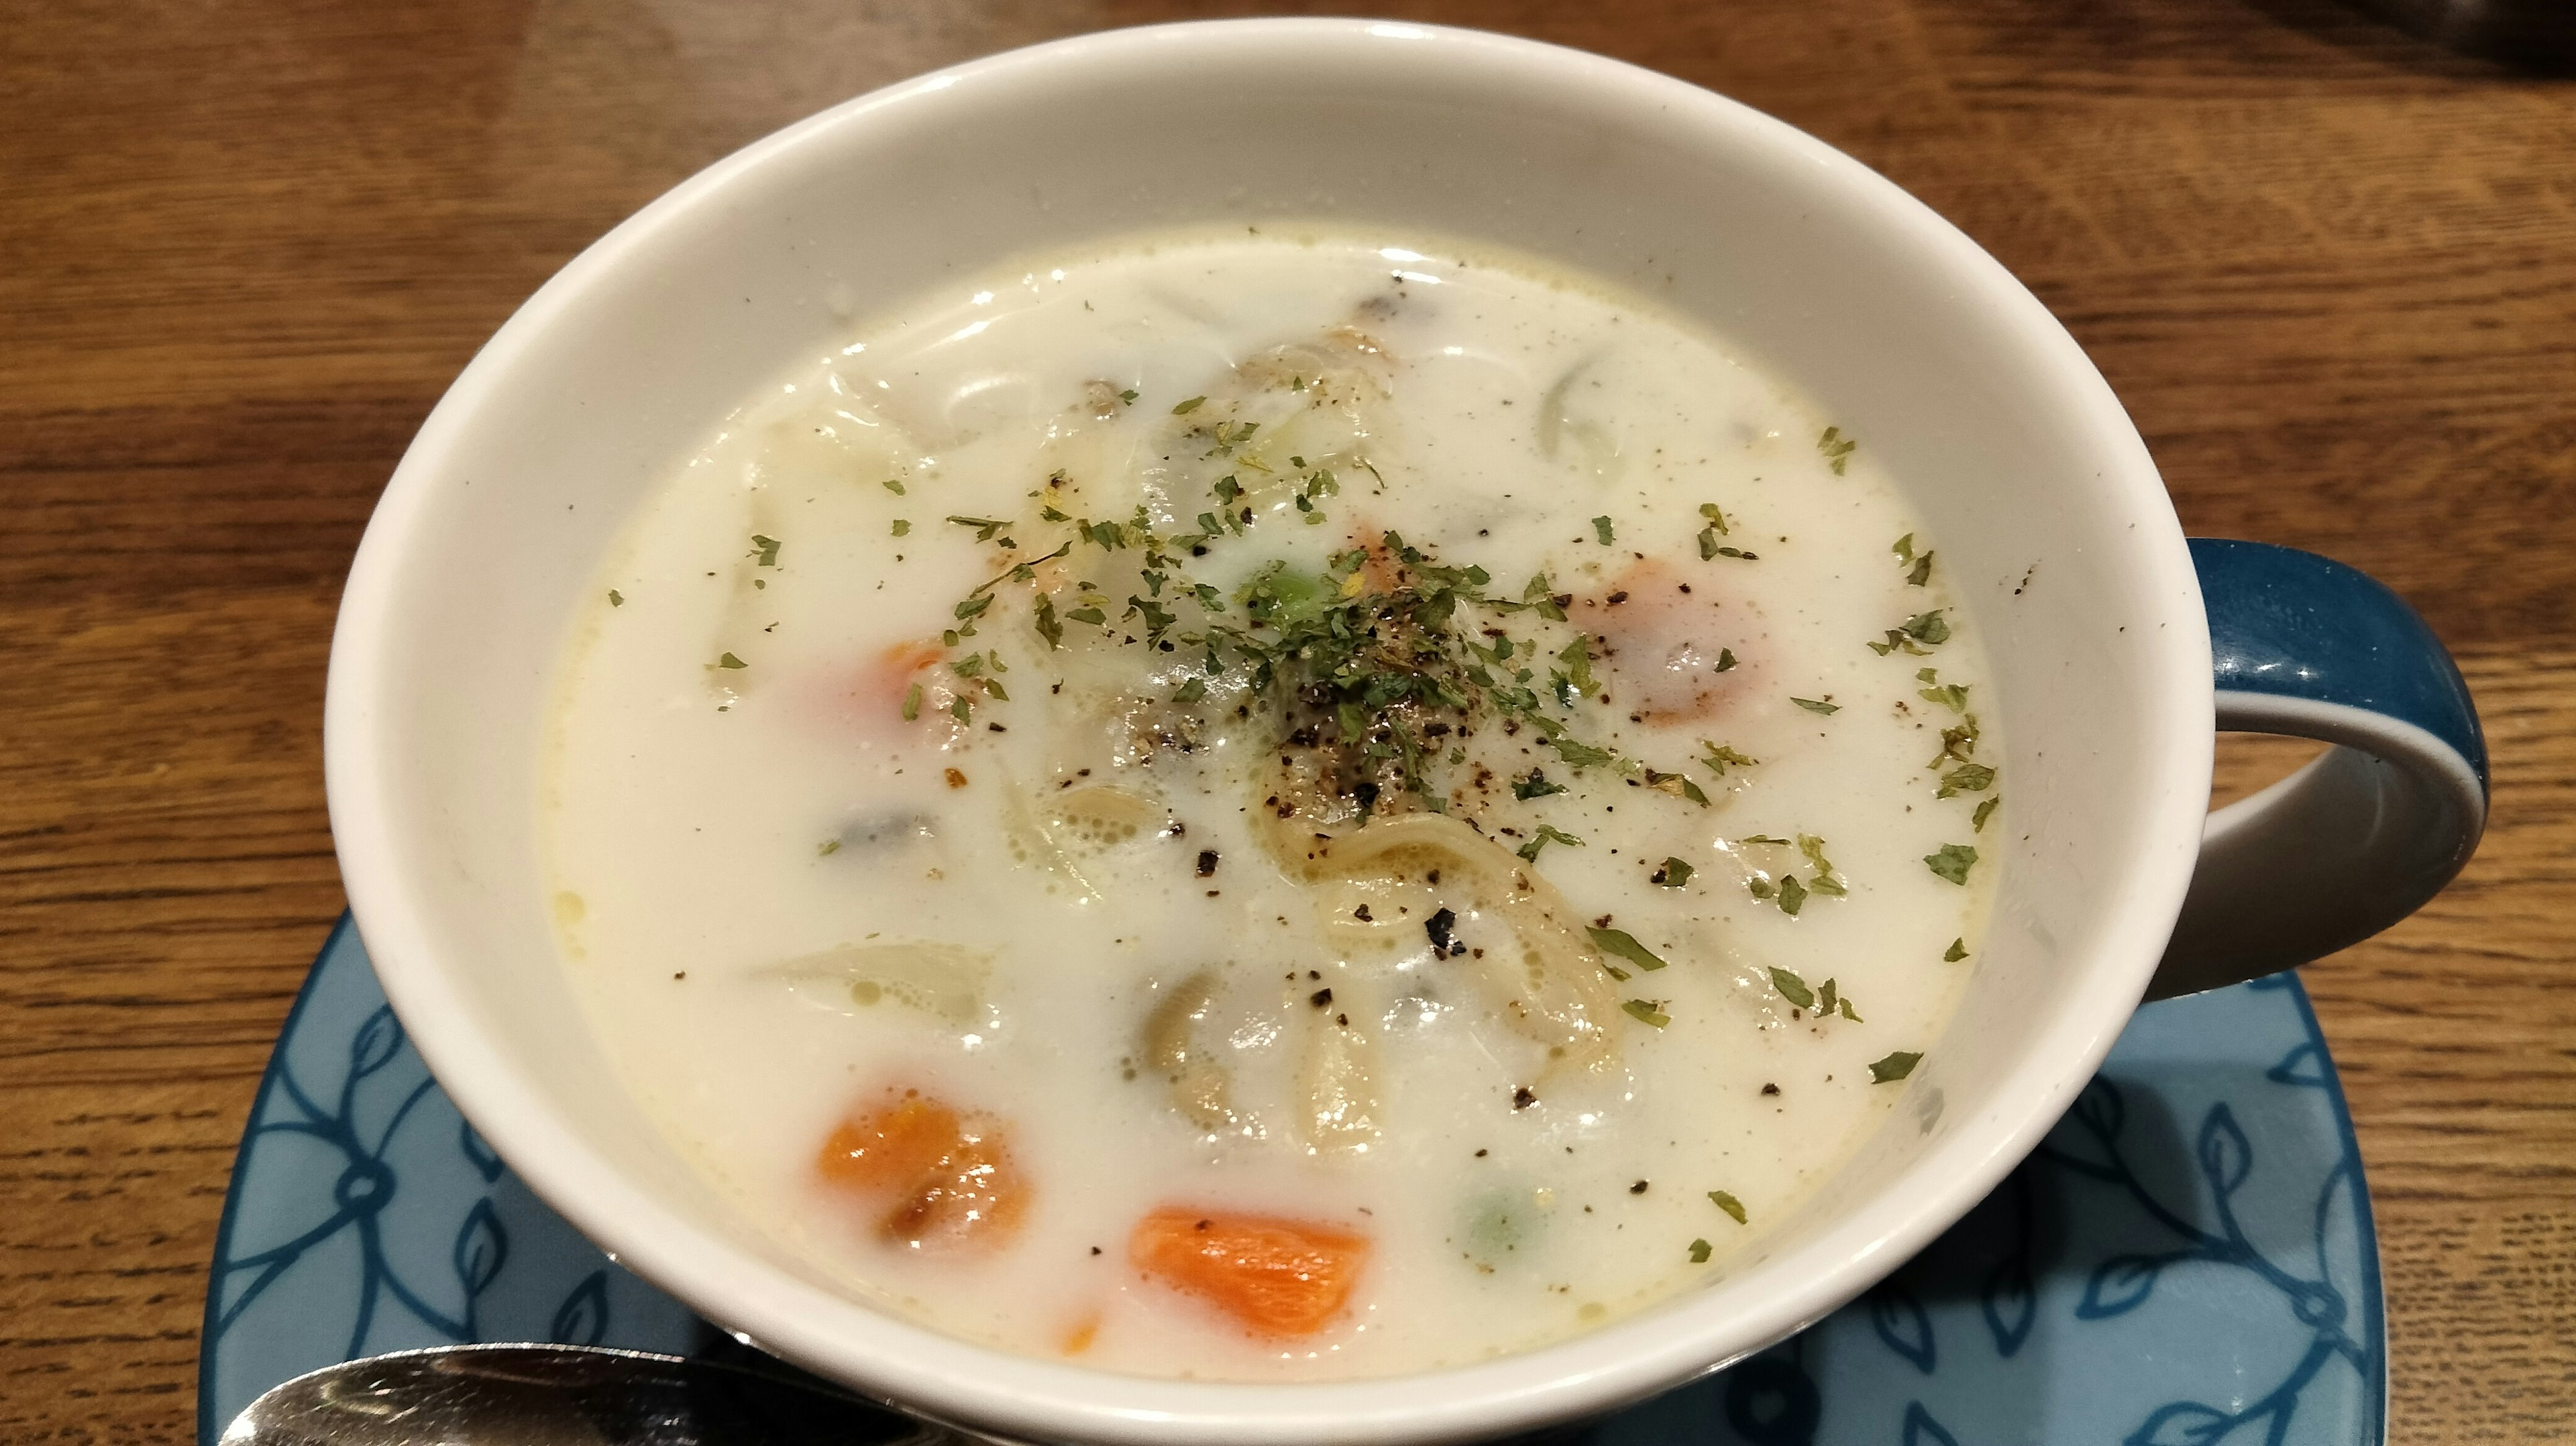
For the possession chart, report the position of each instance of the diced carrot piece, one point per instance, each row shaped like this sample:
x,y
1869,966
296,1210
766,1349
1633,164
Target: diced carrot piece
x,y
947,1182
974,1195
893,1149
1277,1275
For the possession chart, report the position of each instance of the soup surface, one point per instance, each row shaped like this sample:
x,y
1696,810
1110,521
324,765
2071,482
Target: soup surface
x,y
1271,807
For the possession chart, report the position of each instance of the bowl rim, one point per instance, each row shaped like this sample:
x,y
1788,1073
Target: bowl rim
x,y
943,1376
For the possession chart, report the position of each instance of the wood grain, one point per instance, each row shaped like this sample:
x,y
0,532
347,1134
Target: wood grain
x,y
243,246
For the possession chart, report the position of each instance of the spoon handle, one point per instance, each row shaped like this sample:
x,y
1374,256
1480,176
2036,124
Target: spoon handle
x,y
529,1395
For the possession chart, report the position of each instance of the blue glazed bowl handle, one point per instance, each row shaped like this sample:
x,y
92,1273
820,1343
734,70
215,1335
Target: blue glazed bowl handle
x,y
2357,840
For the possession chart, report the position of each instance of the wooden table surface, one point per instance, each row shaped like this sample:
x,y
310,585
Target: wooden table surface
x,y
244,246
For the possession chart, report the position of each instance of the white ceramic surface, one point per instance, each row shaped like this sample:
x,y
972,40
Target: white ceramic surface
x,y
2049,515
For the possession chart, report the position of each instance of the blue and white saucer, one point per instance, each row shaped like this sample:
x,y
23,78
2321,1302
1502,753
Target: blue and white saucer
x,y
2188,1260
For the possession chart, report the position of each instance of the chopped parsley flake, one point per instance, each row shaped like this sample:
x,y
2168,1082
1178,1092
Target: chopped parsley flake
x,y
1129,396
1823,705
912,703
1792,988
1601,530
1718,757
984,527
828,847
616,599
1952,862
1793,895
1536,785
1836,448
1623,944
1827,880
1966,778
894,485
1699,1252
1547,834
1725,660
1895,1067
1985,810
902,527
1919,566
1957,951
1183,409
764,548
1728,1203
1917,635
1674,873
730,661
1959,743
1645,1011
1675,784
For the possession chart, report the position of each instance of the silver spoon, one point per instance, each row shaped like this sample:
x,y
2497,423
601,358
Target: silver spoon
x,y
528,1395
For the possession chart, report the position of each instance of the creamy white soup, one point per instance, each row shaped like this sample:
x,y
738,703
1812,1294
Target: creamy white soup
x,y
1272,806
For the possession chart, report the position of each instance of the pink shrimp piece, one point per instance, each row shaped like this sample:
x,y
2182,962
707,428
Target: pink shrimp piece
x,y
1675,654
872,696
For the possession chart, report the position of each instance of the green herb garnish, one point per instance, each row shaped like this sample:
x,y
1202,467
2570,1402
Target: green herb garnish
x,y
1645,1011
1699,1252
902,527
1985,810
1953,696
1918,565
1718,757
1536,785
1828,880
827,848
1793,895
1818,705
1895,1067
894,485
912,703
764,548
1623,944
1129,396
1674,873
1951,861
1957,951
1728,1203
1966,778
730,661
616,599
1792,988
1601,530
1837,448
984,527
1183,409
1918,634
1959,743
1547,834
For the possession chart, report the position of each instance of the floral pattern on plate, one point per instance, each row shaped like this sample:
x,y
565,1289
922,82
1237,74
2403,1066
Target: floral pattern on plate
x,y
2187,1261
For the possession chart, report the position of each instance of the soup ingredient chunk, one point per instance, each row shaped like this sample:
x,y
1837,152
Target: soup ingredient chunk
x,y
941,1181
1278,1276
